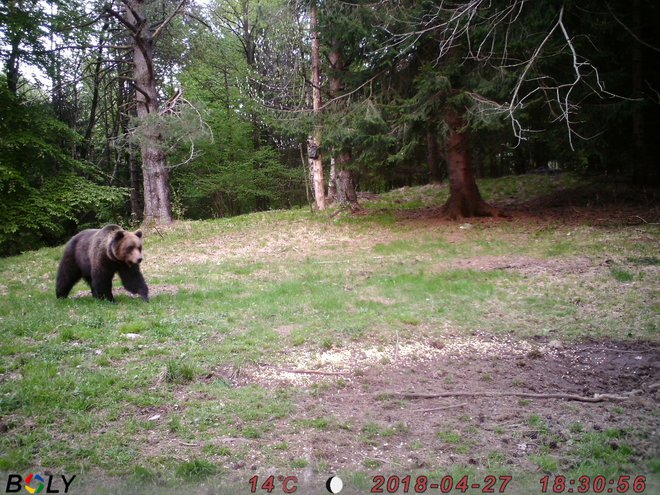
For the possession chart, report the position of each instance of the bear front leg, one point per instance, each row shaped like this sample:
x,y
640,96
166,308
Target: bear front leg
x,y
134,282
102,284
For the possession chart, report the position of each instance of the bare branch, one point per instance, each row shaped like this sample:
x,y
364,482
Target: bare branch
x,y
515,103
630,31
345,95
164,24
200,20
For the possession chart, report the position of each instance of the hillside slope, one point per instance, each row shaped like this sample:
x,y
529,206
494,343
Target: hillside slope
x,y
299,344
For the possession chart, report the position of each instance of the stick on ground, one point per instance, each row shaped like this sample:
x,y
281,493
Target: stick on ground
x,y
579,398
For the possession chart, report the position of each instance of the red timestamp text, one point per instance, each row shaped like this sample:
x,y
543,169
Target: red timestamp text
x,y
596,484
446,484
288,484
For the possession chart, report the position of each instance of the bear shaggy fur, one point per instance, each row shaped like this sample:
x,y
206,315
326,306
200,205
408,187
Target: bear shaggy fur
x,y
96,255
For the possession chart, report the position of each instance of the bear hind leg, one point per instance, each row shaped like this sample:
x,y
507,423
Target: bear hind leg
x,y
68,275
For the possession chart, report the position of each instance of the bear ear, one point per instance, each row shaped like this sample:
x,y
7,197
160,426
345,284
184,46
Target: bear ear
x,y
138,233
119,235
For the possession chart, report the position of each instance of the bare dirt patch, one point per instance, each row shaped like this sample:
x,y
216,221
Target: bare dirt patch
x,y
530,266
306,366
372,421
291,240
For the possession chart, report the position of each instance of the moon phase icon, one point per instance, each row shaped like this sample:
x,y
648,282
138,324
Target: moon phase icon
x,y
334,484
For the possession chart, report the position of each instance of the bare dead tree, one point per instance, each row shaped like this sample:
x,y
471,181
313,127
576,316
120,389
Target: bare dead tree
x,y
316,159
157,201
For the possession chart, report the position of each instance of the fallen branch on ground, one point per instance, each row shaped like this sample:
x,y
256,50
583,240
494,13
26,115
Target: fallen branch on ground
x,y
433,409
579,398
313,372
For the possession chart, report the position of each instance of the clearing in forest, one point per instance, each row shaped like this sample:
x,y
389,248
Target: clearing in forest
x,y
391,343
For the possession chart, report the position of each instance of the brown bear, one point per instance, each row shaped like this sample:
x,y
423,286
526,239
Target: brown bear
x,y
96,255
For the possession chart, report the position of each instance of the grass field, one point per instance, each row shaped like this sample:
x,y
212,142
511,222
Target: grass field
x,y
288,343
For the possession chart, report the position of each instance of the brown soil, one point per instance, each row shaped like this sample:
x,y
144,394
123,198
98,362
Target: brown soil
x,y
373,420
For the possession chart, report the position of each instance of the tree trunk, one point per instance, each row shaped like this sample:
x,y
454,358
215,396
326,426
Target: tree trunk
x,y
87,139
345,181
316,159
464,197
332,181
157,203
126,154
435,176
14,35
640,161
134,171
12,67
346,195
344,186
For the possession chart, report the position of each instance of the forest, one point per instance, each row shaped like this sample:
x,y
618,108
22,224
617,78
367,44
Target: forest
x,y
390,246
136,111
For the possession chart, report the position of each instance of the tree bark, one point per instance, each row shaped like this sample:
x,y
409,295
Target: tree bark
x,y
342,183
91,122
15,38
464,197
316,159
126,154
640,163
346,195
137,209
332,181
12,67
435,176
157,202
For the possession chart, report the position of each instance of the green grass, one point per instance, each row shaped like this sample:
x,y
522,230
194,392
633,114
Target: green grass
x,y
81,378
299,463
196,469
609,453
622,275
179,372
316,423
450,436
496,190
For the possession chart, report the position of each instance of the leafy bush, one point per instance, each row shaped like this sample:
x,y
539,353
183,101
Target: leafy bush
x,y
42,188
231,175
256,181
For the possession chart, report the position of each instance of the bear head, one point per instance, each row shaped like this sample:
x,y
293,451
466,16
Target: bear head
x,y
126,247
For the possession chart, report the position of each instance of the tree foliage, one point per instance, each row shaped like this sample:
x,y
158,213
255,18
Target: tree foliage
x,y
43,191
563,83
